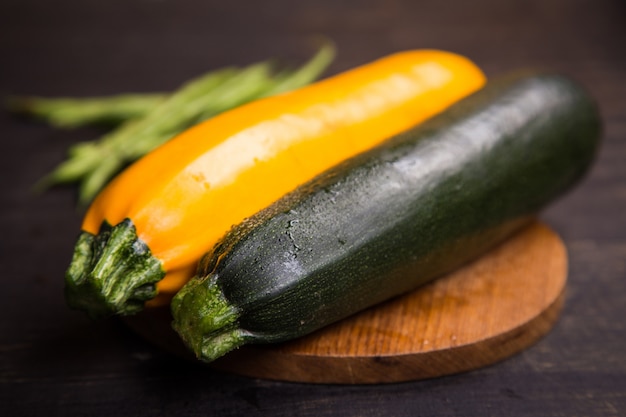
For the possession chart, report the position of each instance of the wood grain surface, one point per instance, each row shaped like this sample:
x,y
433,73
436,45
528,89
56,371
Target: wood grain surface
x,y
56,362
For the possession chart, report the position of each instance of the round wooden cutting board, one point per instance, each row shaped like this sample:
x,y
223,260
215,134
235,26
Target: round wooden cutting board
x,y
484,312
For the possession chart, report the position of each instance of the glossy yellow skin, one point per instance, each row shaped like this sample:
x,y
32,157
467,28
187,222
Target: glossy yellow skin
x,y
188,193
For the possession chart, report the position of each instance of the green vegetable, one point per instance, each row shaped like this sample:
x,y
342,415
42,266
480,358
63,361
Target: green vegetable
x,y
94,163
77,112
393,218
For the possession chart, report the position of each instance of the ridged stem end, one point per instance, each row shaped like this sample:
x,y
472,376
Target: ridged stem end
x,y
111,273
205,320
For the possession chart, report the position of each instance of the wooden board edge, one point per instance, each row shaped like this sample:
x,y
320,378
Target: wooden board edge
x,y
261,362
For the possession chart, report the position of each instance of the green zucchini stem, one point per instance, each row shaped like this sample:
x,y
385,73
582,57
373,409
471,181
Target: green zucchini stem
x,y
205,320
112,272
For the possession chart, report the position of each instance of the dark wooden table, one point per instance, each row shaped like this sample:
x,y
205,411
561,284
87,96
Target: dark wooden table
x,y
54,361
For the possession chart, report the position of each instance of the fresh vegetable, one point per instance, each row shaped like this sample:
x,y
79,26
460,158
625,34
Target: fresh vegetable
x,y
391,219
94,163
69,112
145,233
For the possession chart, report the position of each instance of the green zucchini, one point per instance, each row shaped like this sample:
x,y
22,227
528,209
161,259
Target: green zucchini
x,y
388,220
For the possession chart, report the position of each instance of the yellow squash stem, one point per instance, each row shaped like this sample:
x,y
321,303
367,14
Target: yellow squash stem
x,y
180,199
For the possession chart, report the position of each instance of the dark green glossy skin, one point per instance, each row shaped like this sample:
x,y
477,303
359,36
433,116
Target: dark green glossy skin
x,y
406,212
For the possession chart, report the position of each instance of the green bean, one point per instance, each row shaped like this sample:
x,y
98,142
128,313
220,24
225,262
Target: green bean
x,y
77,112
306,74
94,163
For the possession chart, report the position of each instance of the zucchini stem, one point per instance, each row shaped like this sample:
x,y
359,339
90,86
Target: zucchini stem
x,y
112,272
205,320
